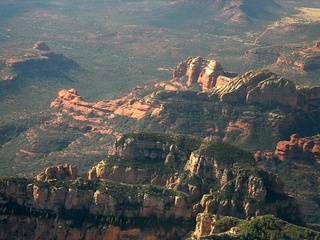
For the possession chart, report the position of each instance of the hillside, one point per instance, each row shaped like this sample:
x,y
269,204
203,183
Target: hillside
x,y
240,110
74,129
123,44
150,185
159,119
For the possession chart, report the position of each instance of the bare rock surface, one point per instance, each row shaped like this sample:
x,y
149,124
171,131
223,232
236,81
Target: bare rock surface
x,y
60,172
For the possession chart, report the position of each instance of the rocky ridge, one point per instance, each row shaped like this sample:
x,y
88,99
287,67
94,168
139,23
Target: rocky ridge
x,y
241,111
263,87
297,162
127,106
203,163
193,176
211,226
296,149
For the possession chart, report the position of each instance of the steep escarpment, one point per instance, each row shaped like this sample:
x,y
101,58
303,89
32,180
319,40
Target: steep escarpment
x,y
255,86
297,162
148,180
243,191
207,73
222,178
262,87
94,210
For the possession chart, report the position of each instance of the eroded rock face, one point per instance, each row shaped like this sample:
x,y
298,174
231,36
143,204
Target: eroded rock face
x,y
134,204
142,151
202,183
202,71
241,193
127,106
60,172
289,150
131,148
206,226
273,91
132,175
262,87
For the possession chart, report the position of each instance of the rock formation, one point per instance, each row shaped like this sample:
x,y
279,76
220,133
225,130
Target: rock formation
x,y
192,175
294,149
262,87
212,226
113,199
236,187
60,172
127,106
233,194
202,71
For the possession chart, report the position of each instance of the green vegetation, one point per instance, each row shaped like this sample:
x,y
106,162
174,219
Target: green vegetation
x,y
265,227
227,153
185,143
269,227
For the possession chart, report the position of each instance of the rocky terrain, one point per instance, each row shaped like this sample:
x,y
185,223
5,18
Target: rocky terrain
x,y
210,226
147,179
80,173
38,61
253,110
297,162
299,61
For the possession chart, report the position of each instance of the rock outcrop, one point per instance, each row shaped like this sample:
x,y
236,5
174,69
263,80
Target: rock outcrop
x,y
262,87
297,162
60,172
82,197
242,193
212,226
207,226
202,71
165,177
128,106
296,147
